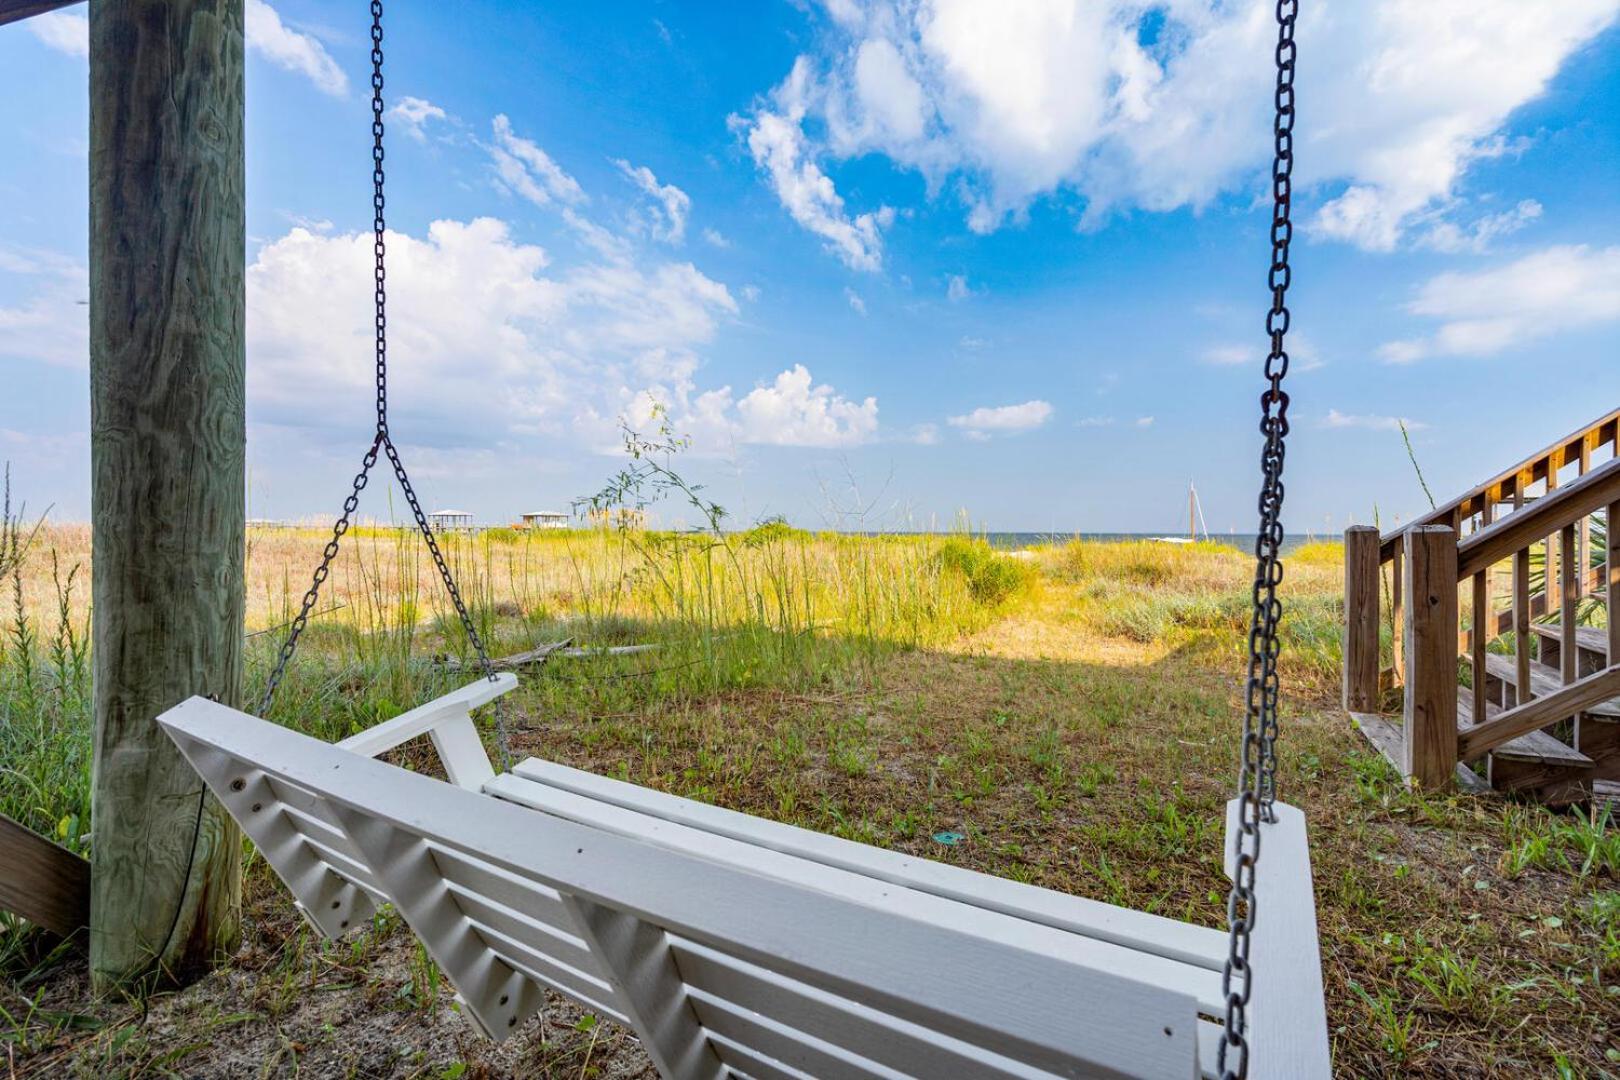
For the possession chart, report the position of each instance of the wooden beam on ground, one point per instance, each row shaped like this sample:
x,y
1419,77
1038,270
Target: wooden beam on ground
x,y
1384,735
1361,618
1538,712
44,883
16,10
1429,720
167,448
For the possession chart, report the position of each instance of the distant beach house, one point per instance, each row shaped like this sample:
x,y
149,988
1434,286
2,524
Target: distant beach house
x,y
545,519
450,520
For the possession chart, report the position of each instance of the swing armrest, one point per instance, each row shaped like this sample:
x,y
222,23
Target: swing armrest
x,y
448,721
1288,1033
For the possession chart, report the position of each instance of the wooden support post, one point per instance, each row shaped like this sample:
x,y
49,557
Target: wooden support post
x,y
1483,625
1611,569
1361,619
1522,689
167,439
1397,618
1429,721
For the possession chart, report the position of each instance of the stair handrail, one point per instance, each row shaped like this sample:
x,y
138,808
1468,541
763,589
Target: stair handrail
x,y
1495,542
1499,489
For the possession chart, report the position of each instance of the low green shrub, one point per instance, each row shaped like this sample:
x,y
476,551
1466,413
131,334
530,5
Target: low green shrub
x,y
992,576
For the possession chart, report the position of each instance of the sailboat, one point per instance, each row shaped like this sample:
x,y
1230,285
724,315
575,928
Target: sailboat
x,y
1195,518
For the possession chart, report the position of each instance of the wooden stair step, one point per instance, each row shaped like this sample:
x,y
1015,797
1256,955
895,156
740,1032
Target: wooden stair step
x,y
1537,746
1543,681
1592,639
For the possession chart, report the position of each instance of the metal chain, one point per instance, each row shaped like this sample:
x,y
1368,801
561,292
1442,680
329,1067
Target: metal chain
x,y
1257,775
381,442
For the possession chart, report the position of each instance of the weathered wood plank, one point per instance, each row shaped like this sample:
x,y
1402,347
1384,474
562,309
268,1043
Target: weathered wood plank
x,y
1539,712
167,439
1429,719
1384,736
1361,618
44,883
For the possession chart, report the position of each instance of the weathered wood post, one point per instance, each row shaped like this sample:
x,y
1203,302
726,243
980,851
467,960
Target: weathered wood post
x,y
1361,619
167,366
1429,719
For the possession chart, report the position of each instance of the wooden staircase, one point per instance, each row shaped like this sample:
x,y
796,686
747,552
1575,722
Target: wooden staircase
x,y
1538,711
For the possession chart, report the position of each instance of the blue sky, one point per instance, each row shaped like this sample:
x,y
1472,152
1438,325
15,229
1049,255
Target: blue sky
x,y
882,261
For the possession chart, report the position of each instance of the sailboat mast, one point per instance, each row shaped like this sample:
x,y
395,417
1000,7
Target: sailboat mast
x,y
1192,510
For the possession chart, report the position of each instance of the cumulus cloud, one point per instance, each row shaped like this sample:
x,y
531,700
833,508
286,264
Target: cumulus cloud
x,y
792,411
291,50
413,113
1487,311
62,31
856,304
1164,106
989,420
1337,419
665,218
490,342
956,289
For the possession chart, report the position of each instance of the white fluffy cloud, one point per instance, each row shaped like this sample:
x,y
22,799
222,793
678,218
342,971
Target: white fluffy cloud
x,y
989,420
665,218
265,34
792,411
413,113
489,342
286,48
1162,106
1487,311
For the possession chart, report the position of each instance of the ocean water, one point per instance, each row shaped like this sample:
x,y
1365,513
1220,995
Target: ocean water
x,y
1013,541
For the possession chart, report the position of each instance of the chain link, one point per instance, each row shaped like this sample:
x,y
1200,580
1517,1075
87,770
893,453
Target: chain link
x,y
382,442
1257,776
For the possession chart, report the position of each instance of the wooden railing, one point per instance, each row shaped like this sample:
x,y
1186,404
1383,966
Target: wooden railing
x,y
1432,642
1512,491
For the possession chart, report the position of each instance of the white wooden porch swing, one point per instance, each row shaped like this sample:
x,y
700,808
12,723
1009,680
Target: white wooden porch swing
x,y
737,946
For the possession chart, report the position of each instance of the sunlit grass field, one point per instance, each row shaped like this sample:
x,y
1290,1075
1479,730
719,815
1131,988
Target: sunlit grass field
x,y
1065,716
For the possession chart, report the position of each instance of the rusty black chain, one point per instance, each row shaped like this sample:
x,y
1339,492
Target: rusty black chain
x,y
1257,773
382,442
